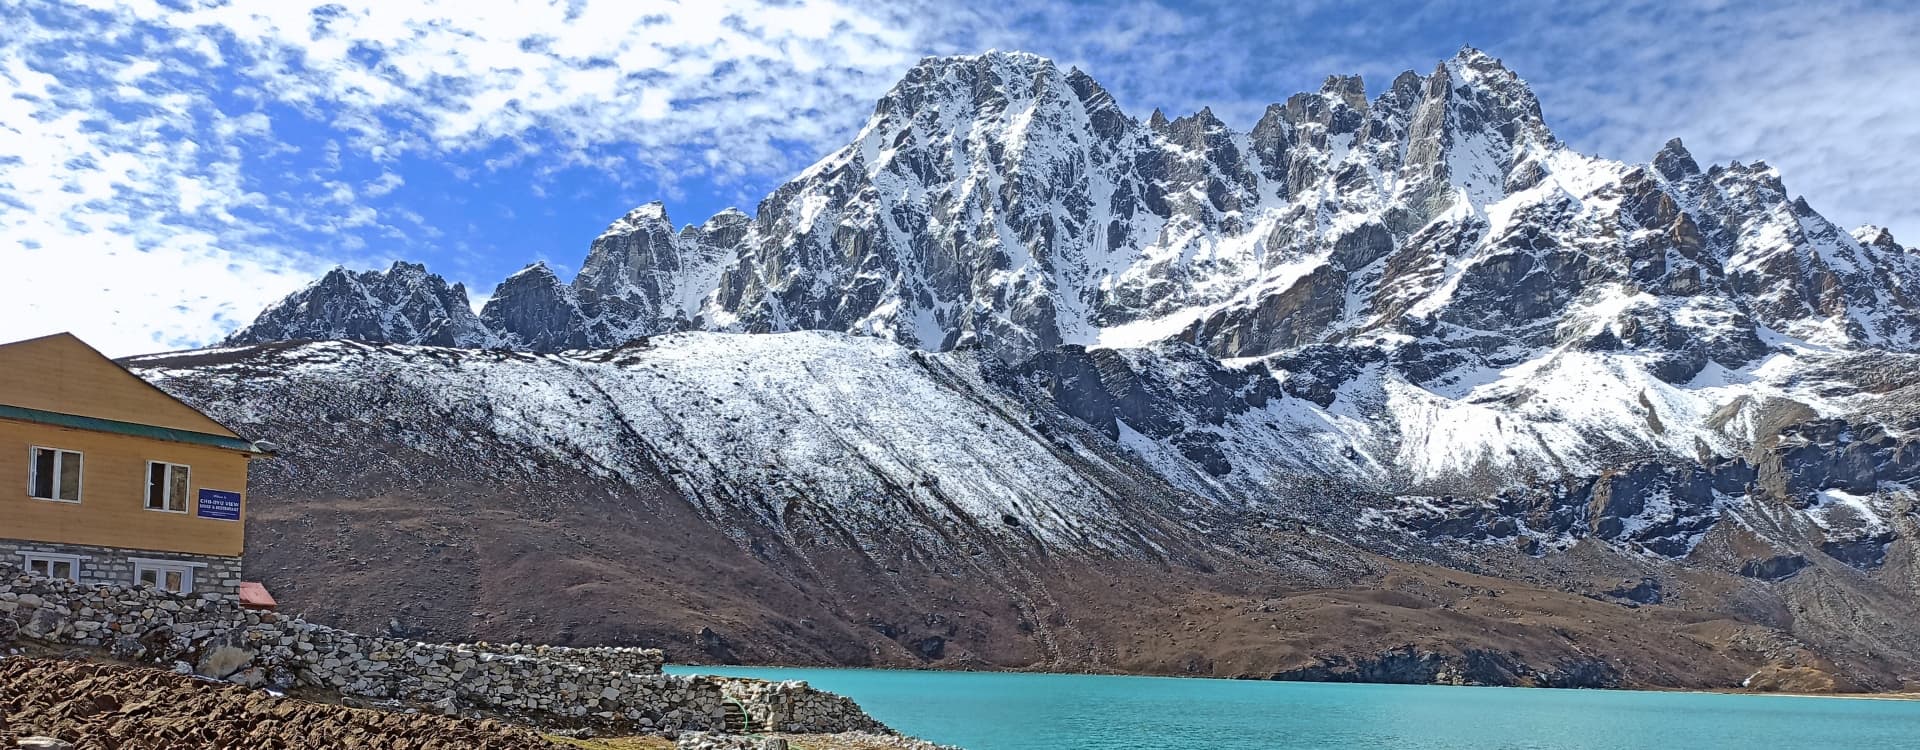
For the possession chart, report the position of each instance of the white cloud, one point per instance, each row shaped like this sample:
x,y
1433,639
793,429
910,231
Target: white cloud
x,y
384,185
669,78
93,215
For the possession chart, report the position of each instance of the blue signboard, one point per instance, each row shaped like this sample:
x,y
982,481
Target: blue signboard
x,y
220,504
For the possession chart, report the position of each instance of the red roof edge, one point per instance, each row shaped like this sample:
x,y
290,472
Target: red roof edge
x,y
253,595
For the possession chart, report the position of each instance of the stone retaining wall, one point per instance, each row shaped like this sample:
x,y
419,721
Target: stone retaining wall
x,y
613,658
785,706
555,687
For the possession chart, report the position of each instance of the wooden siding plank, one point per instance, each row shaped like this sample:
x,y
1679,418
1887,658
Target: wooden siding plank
x,y
60,373
111,511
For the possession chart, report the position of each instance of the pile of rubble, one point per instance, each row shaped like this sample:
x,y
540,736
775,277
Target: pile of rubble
x,y
611,690
90,706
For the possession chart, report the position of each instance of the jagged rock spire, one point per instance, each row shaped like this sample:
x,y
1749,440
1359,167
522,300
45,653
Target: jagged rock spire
x,y
534,310
1674,162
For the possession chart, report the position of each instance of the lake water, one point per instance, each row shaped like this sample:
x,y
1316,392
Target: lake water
x,y
988,711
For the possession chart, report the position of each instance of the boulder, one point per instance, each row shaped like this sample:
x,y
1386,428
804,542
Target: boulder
x,y
222,661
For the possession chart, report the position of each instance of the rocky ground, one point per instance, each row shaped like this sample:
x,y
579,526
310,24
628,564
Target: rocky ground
x,y
91,706
703,741
63,704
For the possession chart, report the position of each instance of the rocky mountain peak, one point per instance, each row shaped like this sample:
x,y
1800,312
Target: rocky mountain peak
x,y
1503,99
1674,162
987,81
729,215
646,216
1877,237
538,268
1188,130
403,303
996,201
1351,89
534,310
631,245
1103,112
1158,121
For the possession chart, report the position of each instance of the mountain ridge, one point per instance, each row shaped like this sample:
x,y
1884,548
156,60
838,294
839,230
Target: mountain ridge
x,y
1087,220
819,497
1433,253
1408,330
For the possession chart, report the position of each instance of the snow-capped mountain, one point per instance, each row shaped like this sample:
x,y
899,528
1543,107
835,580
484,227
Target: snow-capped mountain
x,y
1429,269
999,201
403,303
1014,321
830,498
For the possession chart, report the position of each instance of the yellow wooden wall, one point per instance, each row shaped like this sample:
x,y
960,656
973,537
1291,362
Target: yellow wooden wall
x,y
112,511
62,374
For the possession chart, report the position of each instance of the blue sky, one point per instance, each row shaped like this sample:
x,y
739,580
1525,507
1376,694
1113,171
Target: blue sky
x,y
167,168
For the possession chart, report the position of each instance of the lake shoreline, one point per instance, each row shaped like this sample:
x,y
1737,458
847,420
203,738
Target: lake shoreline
x,y
1877,696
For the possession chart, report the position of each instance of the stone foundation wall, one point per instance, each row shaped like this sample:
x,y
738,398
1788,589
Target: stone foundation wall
x,y
211,635
111,565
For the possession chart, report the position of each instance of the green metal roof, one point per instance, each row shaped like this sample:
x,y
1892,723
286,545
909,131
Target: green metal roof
x,y
125,428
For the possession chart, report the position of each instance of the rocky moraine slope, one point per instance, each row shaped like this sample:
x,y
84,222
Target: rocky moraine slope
x,y
1391,387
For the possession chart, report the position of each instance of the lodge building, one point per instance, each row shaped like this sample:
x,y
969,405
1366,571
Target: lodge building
x,y
105,478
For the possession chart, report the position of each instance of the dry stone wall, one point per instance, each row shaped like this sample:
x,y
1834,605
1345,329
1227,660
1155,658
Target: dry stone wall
x,y
787,706
610,658
210,634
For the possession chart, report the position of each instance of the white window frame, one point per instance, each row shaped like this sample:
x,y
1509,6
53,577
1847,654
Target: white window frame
x,y
73,561
59,466
160,570
186,503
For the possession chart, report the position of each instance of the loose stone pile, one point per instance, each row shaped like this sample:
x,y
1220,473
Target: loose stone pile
x,y
711,741
619,690
614,658
107,707
839,741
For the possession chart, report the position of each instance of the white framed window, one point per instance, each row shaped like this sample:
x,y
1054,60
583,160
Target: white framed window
x,y
166,575
54,474
167,486
53,565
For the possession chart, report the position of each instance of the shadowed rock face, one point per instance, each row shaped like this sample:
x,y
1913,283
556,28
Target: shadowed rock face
x,y
1408,666
1775,568
1287,320
534,310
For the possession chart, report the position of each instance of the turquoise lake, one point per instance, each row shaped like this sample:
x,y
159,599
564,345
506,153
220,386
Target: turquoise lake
x,y
987,711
